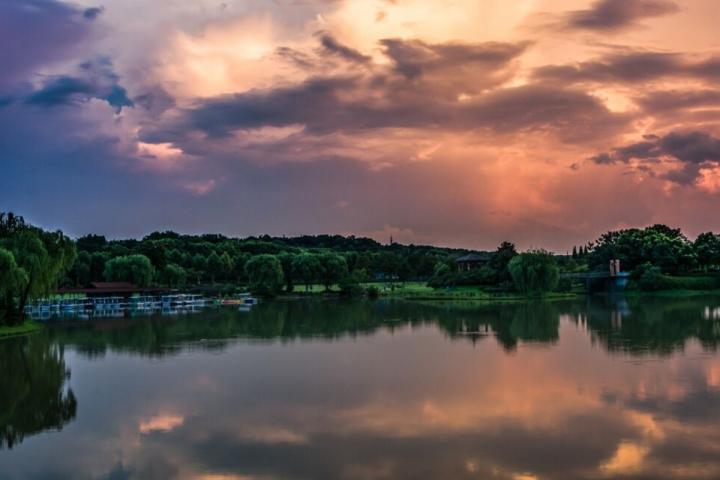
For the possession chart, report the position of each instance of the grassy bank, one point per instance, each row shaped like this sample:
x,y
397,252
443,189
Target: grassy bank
x,y
18,330
420,291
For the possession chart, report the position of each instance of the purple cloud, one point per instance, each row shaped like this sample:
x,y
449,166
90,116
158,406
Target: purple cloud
x,y
633,67
92,13
34,33
694,150
612,15
95,80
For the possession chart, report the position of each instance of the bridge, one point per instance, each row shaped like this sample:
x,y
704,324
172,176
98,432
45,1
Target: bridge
x,y
601,281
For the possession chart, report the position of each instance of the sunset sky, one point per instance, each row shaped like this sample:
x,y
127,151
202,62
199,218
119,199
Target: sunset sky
x,y
451,122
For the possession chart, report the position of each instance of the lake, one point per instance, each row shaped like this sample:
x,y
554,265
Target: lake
x,y
582,389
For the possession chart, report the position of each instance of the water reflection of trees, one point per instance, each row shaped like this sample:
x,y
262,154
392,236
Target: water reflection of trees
x,y
291,321
635,326
656,326
528,322
33,393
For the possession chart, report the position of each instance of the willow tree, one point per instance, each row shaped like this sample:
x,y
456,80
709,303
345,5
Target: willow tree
x,y
41,260
534,272
12,278
334,268
265,274
306,267
136,269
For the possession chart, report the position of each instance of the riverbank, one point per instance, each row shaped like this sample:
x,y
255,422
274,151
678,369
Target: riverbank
x,y
487,297
419,291
672,293
24,329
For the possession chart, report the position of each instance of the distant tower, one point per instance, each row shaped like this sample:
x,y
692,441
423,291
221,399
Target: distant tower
x,y
391,240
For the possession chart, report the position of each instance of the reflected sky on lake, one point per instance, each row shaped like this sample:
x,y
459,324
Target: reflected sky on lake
x,y
323,390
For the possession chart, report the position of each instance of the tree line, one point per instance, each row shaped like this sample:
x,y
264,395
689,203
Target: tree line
x,y
34,262
266,264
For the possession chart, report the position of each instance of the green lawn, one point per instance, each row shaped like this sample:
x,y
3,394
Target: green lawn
x,y
317,288
24,329
467,294
420,291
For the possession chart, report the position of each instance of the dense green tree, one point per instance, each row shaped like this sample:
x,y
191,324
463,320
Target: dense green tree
x,y
214,266
707,248
365,261
649,277
442,276
387,264
333,269
534,272
500,259
226,265
200,265
660,245
79,274
176,256
350,285
118,250
12,278
239,261
265,274
136,269
44,258
91,243
11,224
97,266
351,258
286,260
422,266
155,252
172,275
362,254
306,268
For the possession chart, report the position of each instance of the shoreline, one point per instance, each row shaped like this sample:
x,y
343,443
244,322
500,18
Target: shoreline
x,y
430,296
27,328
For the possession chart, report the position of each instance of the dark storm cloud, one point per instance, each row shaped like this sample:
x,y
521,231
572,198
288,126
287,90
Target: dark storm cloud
x,y
446,86
95,80
422,88
694,150
298,58
611,15
332,46
322,106
34,33
92,13
633,67
155,100
413,58
665,101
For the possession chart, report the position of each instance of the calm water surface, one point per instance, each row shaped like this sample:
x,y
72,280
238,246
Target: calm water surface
x,y
385,390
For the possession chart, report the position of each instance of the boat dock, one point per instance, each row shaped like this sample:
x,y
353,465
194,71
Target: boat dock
x,y
117,306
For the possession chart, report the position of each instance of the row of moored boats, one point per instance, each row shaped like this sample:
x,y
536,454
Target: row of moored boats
x,y
117,306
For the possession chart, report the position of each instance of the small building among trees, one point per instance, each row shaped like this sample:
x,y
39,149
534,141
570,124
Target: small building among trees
x,y
472,261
